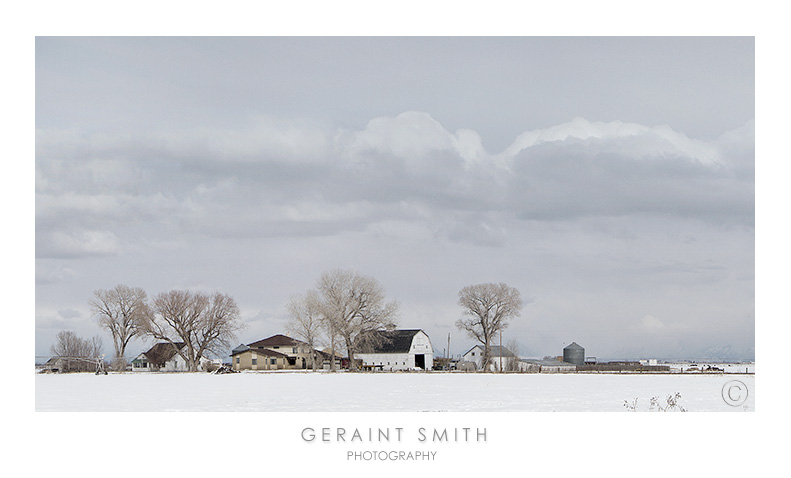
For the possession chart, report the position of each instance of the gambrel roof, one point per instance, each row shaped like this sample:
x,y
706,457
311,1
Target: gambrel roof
x,y
387,341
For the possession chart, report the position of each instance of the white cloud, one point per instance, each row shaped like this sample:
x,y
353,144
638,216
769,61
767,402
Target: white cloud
x,y
633,139
411,135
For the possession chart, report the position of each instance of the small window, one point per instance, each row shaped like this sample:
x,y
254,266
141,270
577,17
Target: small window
x,y
294,350
276,347
237,360
273,362
255,361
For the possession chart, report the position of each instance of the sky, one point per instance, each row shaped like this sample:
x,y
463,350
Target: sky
x,y
611,180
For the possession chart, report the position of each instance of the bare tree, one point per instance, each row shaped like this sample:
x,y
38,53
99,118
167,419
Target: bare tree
x,y
488,307
121,310
72,348
306,321
354,305
203,323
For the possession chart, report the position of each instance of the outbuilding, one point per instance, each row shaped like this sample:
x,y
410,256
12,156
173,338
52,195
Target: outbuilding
x,y
258,359
548,366
574,353
500,359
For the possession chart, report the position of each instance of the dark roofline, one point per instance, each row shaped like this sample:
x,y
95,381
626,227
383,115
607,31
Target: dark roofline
x,y
474,346
277,339
268,352
161,352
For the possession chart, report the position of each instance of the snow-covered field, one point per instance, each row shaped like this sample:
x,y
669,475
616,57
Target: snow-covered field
x,y
389,392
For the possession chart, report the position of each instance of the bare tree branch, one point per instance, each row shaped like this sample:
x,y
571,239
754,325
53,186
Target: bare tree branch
x,y
121,311
68,344
352,306
306,322
203,323
488,307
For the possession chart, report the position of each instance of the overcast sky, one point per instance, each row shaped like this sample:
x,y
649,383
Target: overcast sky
x,y
610,180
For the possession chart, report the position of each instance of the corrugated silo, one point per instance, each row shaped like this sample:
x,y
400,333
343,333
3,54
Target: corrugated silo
x,y
574,353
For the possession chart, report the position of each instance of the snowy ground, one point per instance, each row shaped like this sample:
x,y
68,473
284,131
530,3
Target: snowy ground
x,y
388,392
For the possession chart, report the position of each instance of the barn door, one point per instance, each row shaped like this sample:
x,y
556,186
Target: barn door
x,y
420,361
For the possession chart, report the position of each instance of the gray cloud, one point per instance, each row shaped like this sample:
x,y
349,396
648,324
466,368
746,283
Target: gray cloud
x,y
316,186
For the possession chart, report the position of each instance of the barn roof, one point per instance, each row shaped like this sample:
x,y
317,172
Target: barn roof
x,y
573,346
387,341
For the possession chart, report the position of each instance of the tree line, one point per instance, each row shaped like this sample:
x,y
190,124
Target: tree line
x,y
344,312
202,322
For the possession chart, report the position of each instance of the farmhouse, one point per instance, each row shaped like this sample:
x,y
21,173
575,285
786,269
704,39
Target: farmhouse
x,y
272,353
164,357
396,350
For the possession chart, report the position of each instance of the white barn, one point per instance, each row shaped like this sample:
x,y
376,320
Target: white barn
x,y
398,350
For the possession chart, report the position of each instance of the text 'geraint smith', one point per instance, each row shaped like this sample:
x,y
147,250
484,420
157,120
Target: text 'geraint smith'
x,y
351,435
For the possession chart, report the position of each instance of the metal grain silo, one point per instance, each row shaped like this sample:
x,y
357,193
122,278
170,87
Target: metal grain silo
x,y
574,353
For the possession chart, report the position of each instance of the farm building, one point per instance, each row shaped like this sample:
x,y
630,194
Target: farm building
x,y
396,350
324,358
273,353
574,353
258,359
164,357
547,366
499,356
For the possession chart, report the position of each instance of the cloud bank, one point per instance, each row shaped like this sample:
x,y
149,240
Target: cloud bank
x,y
94,194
